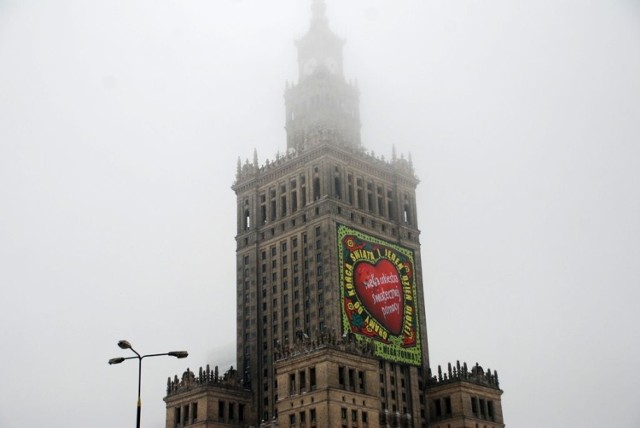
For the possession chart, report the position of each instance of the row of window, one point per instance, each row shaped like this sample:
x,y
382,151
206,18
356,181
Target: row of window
x,y
298,381
482,408
230,411
442,407
185,415
364,417
300,419
280,302
396,419
347,379
288,197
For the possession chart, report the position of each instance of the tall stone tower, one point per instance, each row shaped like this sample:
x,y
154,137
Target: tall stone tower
x,y
330,320
301,219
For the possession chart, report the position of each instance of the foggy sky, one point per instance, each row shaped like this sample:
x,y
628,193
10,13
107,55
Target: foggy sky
x,y
121,123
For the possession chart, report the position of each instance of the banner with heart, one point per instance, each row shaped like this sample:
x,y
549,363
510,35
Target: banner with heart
x,y
378,295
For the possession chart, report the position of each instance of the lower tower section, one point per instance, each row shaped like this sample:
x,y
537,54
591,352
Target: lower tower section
x,y
462,398
332,384
208,400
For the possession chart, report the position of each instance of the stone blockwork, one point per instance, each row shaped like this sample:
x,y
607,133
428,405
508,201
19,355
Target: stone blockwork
x,y
208,400
328,385
462,398
307,331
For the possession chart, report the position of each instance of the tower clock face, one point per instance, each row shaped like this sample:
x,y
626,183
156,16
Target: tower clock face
x,y
332,65
309,66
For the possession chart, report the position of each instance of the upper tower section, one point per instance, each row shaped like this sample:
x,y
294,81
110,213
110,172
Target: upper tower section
x,y
319,51
322,106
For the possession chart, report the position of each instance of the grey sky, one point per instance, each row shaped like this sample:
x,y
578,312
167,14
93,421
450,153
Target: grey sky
x,y
121,123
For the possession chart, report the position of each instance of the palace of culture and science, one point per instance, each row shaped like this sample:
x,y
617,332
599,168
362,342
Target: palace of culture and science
x,y
331,327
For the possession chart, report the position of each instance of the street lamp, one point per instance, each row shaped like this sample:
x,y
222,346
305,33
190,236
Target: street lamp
x,y
123,344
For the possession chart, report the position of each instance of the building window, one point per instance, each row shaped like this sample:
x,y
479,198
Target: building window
x,y
221,410
176,418
247,220
316,188
294,201
303,380
312,378
292,384
352,379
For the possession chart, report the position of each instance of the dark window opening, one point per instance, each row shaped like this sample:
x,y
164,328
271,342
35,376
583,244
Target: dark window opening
x,y
176,419
438,407
292,384
247,220
338,187
316,189
312,378
221,410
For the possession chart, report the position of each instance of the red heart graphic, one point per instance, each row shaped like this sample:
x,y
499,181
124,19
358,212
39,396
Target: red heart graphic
x,y
380,291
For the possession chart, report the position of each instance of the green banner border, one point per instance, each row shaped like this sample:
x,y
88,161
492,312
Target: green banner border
x,y
404,348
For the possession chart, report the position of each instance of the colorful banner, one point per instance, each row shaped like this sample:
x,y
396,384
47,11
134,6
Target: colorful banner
x,y
378,295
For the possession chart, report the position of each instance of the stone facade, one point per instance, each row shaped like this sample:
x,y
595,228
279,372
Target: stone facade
x,y
301,360
208,400
328,385
462,398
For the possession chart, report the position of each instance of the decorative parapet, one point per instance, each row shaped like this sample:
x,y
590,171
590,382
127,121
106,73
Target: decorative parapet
x,y
324,340
460,373
250,169
206,377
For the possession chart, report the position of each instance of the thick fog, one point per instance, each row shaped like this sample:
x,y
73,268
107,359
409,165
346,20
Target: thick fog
x,y
121,123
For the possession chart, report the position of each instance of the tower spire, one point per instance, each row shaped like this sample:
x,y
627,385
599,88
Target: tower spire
x,y
335,115
318,13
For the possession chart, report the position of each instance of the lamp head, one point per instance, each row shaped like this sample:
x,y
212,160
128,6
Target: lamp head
x,y
179,354
116,360
123,344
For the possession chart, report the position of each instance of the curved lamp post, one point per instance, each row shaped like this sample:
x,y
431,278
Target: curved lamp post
x,y
123,344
